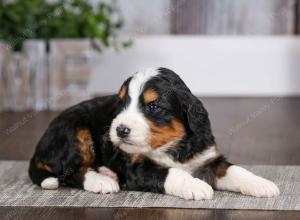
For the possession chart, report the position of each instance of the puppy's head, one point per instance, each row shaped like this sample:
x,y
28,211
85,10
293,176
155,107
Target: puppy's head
x,y
157,111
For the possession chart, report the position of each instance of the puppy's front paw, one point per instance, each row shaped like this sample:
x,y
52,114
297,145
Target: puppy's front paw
x,y
98,183
238,179
182,184
259,187
195,189
108,172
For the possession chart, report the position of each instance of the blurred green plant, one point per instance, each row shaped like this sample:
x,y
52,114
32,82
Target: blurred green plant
x,y
42,19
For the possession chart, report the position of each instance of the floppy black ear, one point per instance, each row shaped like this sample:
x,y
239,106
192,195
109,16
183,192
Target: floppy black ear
x,y
197,118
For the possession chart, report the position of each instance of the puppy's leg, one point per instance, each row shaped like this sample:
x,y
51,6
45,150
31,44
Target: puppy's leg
x,y
42,174
181,183
108,172
92,181
150,177
78,170
235,178
99,183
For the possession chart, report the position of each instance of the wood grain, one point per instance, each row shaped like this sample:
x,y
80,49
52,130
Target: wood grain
x,y
142,213
297,17
233,17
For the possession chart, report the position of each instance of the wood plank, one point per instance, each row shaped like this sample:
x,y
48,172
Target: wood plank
x,y
297,17
233,17
69,72
245,129
142,213
20,132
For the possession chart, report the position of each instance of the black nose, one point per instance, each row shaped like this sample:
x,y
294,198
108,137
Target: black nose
x,y
123,131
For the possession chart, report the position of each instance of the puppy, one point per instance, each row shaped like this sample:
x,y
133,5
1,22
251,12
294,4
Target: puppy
x,y
153,136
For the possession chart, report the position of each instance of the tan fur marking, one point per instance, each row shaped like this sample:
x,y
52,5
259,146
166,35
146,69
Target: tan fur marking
x,y
163,135
43,166
137,158
150,95
122,92
85,142
221,170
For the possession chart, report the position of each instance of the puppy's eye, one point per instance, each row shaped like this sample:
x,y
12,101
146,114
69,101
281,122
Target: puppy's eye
x,y
152,107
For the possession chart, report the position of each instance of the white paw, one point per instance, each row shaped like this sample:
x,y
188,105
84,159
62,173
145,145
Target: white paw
x,y
195,189
238,179
182,184
50,183
98,183
259,187
108,172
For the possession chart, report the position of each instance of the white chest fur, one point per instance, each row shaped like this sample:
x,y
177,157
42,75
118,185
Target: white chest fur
x,y
164,159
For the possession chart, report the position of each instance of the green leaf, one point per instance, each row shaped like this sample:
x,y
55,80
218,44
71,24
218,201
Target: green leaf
x,y
41,19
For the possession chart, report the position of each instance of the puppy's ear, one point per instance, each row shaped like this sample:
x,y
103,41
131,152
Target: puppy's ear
x,y
197,115
124,89
197,118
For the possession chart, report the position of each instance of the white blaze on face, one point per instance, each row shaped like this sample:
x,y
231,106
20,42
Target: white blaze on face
x,y
131,117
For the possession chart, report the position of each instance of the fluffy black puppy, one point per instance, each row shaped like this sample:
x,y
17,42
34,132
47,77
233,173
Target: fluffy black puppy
x,y
155,135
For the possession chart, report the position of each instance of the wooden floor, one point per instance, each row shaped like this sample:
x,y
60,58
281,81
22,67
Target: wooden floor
x,y
248,130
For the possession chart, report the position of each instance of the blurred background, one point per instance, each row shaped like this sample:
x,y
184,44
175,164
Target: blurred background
x,y
241,57
56,53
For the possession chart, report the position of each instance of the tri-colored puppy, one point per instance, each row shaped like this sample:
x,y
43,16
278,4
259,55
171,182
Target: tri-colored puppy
x,y
155,135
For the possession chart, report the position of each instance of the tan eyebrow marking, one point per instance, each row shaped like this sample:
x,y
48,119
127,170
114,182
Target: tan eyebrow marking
x,y
150,95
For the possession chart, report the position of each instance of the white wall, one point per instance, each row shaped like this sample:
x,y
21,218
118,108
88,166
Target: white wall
x,y
211,66
144,16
